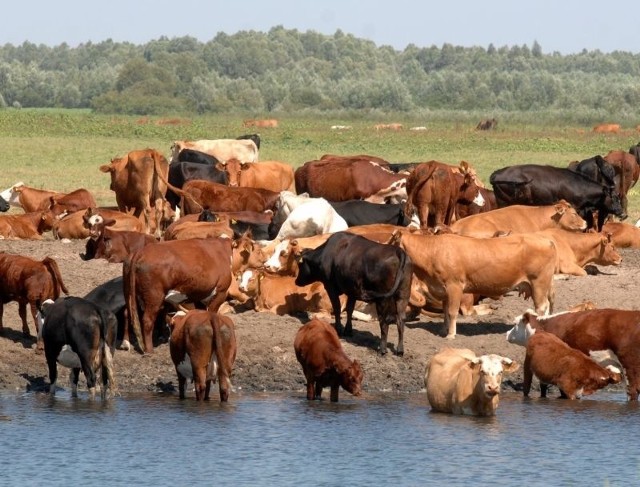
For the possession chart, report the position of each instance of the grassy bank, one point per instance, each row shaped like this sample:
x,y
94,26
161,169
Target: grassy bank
x,y
62,150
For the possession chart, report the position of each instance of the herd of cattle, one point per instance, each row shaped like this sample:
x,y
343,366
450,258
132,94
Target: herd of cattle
x,y
214,227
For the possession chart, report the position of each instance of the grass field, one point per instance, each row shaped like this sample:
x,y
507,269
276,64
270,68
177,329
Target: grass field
x,y
62,150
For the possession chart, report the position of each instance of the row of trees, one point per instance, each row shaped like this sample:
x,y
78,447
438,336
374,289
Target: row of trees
x,y
291,70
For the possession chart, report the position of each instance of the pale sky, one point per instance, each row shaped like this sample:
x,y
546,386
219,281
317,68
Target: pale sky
x,y
566,26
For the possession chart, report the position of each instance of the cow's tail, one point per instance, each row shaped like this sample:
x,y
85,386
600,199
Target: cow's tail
x,y
415,188
54,271
403,267
183,194
131,299
107,340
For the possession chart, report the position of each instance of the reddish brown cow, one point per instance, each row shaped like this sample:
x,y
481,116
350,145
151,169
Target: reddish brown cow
x,y
607,128
28,226
623,235
79,199
196,270
324,363
113,245
593,330
28,281
627,172
434,189
341,180
364,157
139,182
203,346
554,362
272,175
464,209
75,226
267,123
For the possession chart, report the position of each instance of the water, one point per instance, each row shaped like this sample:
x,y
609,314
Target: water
x,y
282,439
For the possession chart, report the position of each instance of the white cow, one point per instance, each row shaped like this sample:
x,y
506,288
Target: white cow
x,y
314,217
245,150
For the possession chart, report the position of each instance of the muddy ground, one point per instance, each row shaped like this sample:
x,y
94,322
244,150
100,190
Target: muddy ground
x,y
266,360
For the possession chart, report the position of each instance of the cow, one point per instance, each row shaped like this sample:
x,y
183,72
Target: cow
x,y
358,212
520,219
434,189
607,128
244,150
79,199
26,226
366,157
77,225
314,217
31,282
388,126
203,347
110,295
85,333
554,362
175,267
324,362
254,137
449,266
623,235
459,382
267,123
591,331
182,171
282,255
29,199
341,180
190,155
187,230
363,270
113,245
465,209
627,170
576,250
487,124
272,175
532,184
139,182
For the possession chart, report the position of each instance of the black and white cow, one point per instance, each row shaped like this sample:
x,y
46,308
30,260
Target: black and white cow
x,y
80,335
363,270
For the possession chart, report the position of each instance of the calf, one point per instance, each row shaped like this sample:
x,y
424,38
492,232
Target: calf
x,y
459,382
591,331
27,226
363,270
324,362
203,346
28,281
89,331
555,362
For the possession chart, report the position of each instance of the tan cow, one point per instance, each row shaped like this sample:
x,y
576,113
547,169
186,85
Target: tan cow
x,y
267,123
187,230
29,199
459,382
244,150
273,175
607,128
624,235
27,226
520,219
451,265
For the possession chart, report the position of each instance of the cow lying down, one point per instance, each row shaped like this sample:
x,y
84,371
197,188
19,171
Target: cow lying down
x,y
78,334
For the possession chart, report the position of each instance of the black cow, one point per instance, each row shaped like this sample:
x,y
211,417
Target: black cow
x,y
80,335
4,205
537,185
182,171
254,137
259,231
360,212
110,295
403,167
190,155
365,270
596,169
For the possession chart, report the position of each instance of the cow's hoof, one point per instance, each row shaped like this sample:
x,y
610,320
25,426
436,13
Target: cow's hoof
x,y
125,345
400,353
450,337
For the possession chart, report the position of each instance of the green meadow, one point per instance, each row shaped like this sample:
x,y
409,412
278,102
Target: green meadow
x,y
62,150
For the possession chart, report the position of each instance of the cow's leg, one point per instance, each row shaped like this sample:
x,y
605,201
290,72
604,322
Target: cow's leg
x,y
401,310
633,379
528,377
224,383
207,389
182,384
318,390
542,300
544,387
311,394
383,319
199,380
51,354
334,297
451,307
335,389
216,302
86,362
351,304
22,312
1,315
34,314
74,377
151,310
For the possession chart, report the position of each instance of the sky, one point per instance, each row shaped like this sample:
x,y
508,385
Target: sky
x,y
565,26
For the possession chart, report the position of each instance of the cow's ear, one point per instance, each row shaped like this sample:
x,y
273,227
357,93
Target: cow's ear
x,y
509,365
109,223
106,168
244,165
221,166
560,208
609,236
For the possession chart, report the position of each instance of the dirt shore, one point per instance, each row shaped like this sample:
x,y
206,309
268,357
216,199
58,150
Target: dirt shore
x,y
266,360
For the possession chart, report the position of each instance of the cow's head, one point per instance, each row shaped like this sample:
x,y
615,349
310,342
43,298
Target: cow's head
x,y
233,168
281,257
567,217
613,203
308,267
522,329
351,378
608,254
490,369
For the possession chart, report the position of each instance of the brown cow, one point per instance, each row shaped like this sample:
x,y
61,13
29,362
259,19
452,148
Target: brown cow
x,y
196,270
451,265
75,225
459,382
79,199
434,189
30,199
341,180
520,219
324,362
388,126
244,150
203,347
113,245
364,157
27,226
282,256
187,230
623,235
607,128
593,330
28,281
627,172
464,209
267,123
139,182
272,175
552,361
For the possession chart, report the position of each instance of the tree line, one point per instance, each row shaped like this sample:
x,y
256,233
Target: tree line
x,y
285,70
